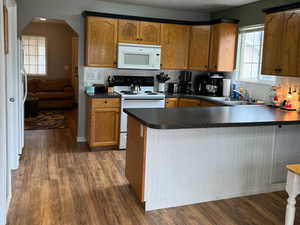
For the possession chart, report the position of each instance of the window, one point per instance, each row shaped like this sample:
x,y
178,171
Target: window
x,y
250,55
35,55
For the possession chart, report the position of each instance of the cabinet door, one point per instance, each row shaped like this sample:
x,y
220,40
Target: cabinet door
x,y
290,52
128,31
171,102
199,48
105,127
272,43
189,102
223,47
175,45
150,33
207,103
101,42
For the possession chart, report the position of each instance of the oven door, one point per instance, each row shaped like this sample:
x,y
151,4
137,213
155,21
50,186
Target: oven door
x,y
126,103
140,103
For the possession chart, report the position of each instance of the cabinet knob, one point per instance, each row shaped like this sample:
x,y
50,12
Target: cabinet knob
x,y
105,102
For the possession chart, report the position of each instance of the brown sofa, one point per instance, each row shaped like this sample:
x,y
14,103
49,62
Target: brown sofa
x,y
52,93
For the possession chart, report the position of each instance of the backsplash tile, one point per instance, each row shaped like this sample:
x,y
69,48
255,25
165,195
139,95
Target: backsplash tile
x,y
100,75
262,91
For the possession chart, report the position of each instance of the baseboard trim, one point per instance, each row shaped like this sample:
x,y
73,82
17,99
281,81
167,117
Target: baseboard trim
x,y
81,139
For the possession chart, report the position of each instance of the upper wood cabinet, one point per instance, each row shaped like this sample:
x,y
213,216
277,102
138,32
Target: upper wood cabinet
x,y
290,62
272,43
101,42
128,31
223,47
281,52
150,33
199,48
140,32
175,46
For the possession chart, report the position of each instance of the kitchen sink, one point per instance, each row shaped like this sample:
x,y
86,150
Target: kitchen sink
x,y
236,102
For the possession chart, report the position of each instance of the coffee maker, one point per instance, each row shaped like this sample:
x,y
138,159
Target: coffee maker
x,y
209,85
185,82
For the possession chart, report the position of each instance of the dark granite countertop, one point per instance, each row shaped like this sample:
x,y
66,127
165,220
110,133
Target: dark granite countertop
x,y
104,95
219,116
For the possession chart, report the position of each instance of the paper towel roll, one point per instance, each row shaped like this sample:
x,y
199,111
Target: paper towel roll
x,y
226,87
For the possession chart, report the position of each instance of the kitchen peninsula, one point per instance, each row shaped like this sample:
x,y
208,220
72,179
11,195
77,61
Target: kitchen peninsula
x,y
180,156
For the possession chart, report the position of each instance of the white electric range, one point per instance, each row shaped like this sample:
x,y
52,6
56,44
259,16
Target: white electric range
x,y
145,98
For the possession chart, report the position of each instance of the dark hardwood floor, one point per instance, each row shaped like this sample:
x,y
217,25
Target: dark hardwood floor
x,y
60,182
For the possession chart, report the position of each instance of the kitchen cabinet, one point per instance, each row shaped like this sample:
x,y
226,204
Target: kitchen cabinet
x,y
101,42
175,46
150,33
290,61
136,157
171,102
199,48
281,50
103,122
186,102
223,47
272,43
139,32
204,103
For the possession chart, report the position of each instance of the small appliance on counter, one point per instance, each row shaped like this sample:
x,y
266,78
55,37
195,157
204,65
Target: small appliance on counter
x,y
100,88
172,88
209,85
226,87
162,78
185,82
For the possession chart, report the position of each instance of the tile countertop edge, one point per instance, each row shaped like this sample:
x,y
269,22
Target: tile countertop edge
x,y
215,124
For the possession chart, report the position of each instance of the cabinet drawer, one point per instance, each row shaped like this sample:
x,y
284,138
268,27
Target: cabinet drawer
x,y
105,103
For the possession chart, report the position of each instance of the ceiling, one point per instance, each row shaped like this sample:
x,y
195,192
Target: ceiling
x,y
199,5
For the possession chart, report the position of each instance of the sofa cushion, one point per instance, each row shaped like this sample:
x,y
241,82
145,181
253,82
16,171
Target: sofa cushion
x,y
54,95
52,85
33,85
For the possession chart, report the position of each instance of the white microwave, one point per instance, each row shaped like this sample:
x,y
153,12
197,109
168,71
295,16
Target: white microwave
x,y
137,56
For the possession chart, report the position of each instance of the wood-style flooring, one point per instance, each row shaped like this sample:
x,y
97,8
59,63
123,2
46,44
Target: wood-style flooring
x,y
60,182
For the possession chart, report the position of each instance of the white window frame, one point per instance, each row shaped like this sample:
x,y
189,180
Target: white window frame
x,y
237,74
46,57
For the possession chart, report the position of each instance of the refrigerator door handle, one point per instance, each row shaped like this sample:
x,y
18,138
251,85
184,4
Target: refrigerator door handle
x,y
25,85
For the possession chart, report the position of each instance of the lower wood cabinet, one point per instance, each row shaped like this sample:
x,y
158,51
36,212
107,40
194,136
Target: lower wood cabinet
x,y
207,103
103,122
186,102
171,102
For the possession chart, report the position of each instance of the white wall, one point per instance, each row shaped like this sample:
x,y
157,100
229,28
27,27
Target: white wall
x,y
3,150
252,13
71,12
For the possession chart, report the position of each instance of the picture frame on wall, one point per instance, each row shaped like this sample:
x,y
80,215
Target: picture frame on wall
x,y
5,20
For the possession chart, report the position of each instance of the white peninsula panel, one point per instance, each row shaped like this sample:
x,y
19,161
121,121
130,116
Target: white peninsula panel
x,y
186,166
